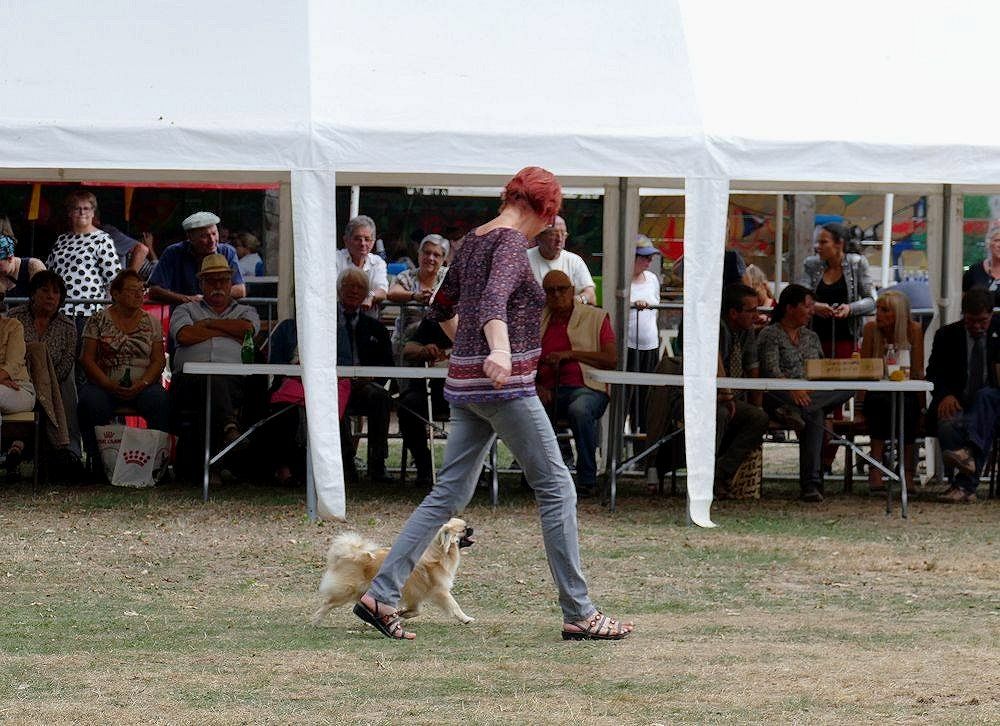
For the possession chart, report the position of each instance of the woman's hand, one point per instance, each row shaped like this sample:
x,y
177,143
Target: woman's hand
x,y
432,353
641,304
421,296
840,310
6,380
801,398
823,310
557,357
497,367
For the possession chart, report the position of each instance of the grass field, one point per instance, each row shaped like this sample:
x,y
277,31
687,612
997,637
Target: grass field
x,y
150,607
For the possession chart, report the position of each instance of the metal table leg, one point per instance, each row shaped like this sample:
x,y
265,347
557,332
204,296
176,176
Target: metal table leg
x,y
494,475
899,403
208,431
311,508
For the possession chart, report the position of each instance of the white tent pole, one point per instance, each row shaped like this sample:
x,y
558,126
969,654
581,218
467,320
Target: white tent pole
x,y
355,202
779,241
887,239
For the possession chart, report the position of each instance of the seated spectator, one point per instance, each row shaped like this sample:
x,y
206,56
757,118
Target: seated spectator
x,y
287,432
359,239
784,346
16,272
892,326
423,343
965,404
17,393
418,285
740,420
85,257
370,346
576,338
123,359
247,249
44,323
211,329
986,274
551,254
176,278
755,278
134,255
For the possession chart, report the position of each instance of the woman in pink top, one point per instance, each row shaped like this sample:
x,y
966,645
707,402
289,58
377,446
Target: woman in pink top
x,y
490,305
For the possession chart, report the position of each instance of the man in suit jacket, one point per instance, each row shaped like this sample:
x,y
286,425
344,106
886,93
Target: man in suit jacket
x,y
965,406
371,345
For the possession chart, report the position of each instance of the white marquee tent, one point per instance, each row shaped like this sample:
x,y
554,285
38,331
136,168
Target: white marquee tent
x,y
706,96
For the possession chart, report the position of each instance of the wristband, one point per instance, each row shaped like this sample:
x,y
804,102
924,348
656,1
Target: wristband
x,y
500,350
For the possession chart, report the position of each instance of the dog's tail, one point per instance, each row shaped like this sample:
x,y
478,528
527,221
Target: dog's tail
x,y
350,546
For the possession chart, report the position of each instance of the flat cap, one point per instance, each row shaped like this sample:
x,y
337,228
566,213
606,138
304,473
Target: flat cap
x,y
199,220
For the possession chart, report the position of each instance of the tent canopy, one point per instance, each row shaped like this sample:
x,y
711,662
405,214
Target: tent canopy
x,y
774,93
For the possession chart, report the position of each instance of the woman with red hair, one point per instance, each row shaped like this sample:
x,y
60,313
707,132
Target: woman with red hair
x,y
490,305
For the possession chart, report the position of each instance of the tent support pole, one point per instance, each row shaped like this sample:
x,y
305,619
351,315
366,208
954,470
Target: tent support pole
x,y
887,239
779,241
616,424
355,202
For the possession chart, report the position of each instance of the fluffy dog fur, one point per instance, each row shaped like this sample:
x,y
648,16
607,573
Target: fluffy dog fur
x,y
352,562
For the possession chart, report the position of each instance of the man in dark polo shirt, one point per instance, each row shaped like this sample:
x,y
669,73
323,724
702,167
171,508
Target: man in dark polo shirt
x,y
175,279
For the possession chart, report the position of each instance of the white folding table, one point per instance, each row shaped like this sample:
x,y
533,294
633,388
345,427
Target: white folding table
x,y
895,388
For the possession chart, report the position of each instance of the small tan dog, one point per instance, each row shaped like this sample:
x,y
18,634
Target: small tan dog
x,y
352,562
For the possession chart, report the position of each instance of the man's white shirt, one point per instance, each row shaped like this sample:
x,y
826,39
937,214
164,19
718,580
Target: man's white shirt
x,y
569,262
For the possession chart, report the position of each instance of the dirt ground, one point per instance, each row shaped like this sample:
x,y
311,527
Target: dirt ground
x,y
151,607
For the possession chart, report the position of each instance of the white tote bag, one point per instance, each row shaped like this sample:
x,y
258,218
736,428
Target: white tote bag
x,y
133,457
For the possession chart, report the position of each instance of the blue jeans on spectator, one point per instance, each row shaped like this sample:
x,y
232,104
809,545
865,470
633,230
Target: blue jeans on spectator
x,y
973,427
582,407
97,408
524,426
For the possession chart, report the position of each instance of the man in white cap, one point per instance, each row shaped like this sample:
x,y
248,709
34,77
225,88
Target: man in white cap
x,y
175,279
210,329
551,254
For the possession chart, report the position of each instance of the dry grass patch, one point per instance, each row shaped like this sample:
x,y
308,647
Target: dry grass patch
x,y
150,607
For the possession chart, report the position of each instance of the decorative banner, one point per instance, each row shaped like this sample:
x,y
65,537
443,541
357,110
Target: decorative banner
x,y
36,201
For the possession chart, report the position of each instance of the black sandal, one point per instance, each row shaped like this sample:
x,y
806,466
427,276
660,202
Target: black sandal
x,y
599,627
389,624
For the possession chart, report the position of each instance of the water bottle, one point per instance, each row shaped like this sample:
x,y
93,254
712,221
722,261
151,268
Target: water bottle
x,y
247,349
380,248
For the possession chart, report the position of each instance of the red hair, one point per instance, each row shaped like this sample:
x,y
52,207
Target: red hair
x,y
537,189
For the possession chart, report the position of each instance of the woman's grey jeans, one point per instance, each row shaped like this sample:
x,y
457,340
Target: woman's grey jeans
x,y
524,427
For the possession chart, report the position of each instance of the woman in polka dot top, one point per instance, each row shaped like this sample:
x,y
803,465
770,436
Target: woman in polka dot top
x,y
85,257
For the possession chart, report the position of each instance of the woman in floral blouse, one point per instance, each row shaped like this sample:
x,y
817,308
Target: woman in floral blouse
x,y
419,285
123,359
784,346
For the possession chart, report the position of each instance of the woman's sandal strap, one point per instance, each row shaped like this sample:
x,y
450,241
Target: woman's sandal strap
x,y
389,624
599,627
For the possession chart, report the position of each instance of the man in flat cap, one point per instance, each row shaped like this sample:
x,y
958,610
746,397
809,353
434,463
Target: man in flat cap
x,y
175,279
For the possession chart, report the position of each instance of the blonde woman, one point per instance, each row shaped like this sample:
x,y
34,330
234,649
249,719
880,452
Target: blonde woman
x,y
755,278
892,326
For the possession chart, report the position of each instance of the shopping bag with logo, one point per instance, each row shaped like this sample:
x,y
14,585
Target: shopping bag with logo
x,y
133,457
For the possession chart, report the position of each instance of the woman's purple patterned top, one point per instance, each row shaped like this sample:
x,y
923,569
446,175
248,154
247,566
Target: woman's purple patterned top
x,y
490,280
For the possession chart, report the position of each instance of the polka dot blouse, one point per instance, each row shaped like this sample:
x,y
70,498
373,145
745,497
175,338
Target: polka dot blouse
x,y
88,263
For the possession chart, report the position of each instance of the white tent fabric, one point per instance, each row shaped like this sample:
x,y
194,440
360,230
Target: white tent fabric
x,y
701,90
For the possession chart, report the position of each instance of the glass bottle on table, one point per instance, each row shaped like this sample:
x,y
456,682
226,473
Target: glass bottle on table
x,y
247,350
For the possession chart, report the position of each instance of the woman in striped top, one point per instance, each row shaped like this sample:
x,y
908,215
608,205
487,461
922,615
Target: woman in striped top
x,y
490,305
